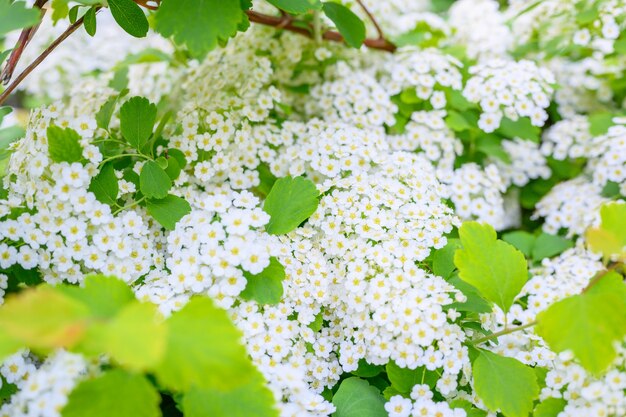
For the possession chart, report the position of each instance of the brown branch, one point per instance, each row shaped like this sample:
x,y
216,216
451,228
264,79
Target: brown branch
x,y
601,275
287,24
71,29
372,19
22,42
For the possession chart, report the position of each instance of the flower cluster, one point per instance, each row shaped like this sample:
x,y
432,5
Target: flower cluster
x,y
509,89
527,162
571,205
568,138
43,389
477,194
609,156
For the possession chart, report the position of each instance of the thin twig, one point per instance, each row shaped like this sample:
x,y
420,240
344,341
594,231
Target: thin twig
x,y
22,42
601,275
71,29
503,332
372,18
281,22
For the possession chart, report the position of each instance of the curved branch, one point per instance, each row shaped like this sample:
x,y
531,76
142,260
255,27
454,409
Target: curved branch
x,y
284,22
71,29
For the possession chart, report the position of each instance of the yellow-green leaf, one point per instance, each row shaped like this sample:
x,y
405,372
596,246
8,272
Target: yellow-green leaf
x,y
492,266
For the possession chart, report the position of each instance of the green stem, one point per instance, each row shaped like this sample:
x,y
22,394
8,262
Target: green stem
x,y
503,332
123,155
133,204
317,27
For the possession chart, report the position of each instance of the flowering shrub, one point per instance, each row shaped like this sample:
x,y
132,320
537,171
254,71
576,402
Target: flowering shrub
x,y
304,208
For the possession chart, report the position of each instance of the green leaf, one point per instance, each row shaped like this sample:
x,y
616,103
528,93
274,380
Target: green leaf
x,y
523,241
404,379
15,15
251,399
3,56
130,17
296,6
199,24
348,24
169,210
505,384
64,145
60,10
104,296
443,259
491,145
265,287
474,303
173,168
114,393
135,338
154,181
456,121
367,370
43,318
290,202
8,346
588,324
137,117
105,185
550,407
495,268
203,349
599,123
521,128
356,398
73,14
610,238
547,246
469,408
89,21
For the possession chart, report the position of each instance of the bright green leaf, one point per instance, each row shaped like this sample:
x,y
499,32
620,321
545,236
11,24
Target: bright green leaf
x,y
135,338
104,296
103,116
251,399
204,350
43,318
523,241
443,259
599,123
495,268
137,117
114,393
130,17
505,384
356,398
168,211
610,238
474,303
15,15
290,202
296,6
265,287
348,24
154,181
105,185
588,324
547,246
8,345
456,121
199,24
64,145
404,379
521,128
60,10
550,407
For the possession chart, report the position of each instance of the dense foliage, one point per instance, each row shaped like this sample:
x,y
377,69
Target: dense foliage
x,y
306,208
